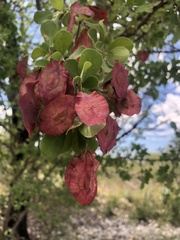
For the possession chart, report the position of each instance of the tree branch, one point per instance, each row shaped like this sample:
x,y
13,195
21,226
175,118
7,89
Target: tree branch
x,y
161,51
134,125
38,5
147,17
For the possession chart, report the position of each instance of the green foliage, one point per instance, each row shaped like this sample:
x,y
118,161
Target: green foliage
x,y
58,4
52,146
41,16
94,58
62,41
90,131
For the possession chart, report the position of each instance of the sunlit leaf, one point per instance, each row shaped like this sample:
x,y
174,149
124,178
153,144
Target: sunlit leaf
x,y
147,7
90,131
85,68
48,29
56,56
77,53
41,16
121,42
38,52
76,123
92,56
58,4
120,54
99,27
62,41
41,63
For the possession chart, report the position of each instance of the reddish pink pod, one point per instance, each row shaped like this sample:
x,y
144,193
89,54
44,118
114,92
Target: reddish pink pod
x,y
53,81
99,14
83,40
120,80
29,101
22,68
58,115
76,9
107,136
91,108
80,177
130,105
126,102
143,55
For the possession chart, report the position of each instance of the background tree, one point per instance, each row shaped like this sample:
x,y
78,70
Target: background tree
x,y
153,28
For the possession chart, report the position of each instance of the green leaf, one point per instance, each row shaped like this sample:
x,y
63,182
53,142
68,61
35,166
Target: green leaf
x,y
118,53
68,142
65,19
62,41
99,45
90,82
147,7
92,144
48,29
105,67
41,16
41,63
58,4
72,66
45,46
92,34
38,52
76,123
90,131
86,66
92,56
99,27
52,146
76,54
77,82
78,142
139,2
56,56
122,42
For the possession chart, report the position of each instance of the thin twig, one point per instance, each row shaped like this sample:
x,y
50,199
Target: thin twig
x,y
134,125
147,18
38,5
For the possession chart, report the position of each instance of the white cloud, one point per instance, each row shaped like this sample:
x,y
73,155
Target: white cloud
x,y
169,110
5,112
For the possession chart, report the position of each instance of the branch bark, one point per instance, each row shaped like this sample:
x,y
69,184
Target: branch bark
x,y
134,125
147,17
38,5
